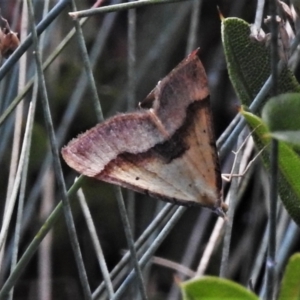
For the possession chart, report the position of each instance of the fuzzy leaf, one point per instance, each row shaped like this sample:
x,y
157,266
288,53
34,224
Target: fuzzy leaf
x,y
248,62
289,165
281,114
291,137
210,287
290,286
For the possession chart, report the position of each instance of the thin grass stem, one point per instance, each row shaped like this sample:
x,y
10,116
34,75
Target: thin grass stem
x,y
118,7
96,243
56,161
157,223
151,250
33,246
54,12
130,242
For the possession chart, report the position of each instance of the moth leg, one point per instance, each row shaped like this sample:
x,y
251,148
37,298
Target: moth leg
x,y
250,144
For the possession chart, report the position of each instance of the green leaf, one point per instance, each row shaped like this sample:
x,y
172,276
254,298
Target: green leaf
x,y
281,114
290,286
210,287
288,161
291,137
248,62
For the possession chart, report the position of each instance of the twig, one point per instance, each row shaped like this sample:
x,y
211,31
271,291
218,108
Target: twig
x,y
270,265
118,7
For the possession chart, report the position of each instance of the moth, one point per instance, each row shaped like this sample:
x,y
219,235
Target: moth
x,y
165,149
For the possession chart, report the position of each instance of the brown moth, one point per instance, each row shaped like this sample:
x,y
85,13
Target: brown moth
x,y
165,149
